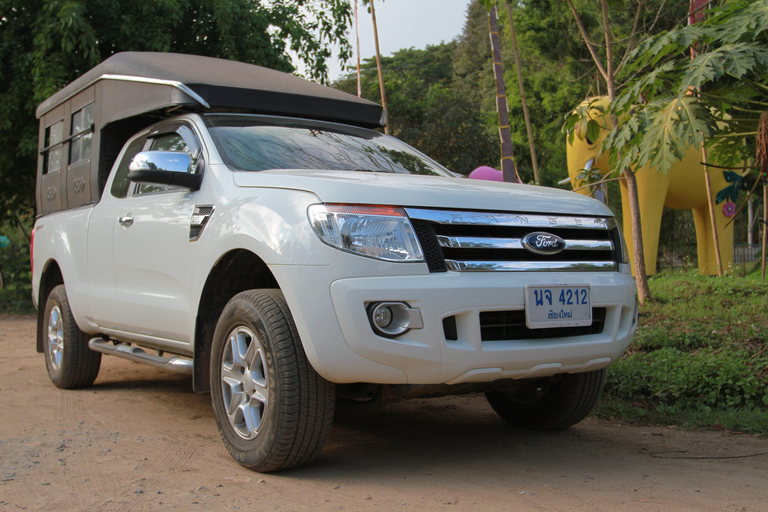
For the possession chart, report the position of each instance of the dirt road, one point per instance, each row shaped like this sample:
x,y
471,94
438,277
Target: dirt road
x,y
140,439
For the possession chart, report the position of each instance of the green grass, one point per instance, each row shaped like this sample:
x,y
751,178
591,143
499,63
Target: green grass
x,y
700,357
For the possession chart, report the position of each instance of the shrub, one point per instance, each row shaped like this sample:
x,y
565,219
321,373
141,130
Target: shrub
x,y
704,379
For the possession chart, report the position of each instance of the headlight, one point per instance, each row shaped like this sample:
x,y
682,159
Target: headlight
x,y
382,232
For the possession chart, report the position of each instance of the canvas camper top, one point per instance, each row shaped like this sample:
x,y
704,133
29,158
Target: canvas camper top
x,y
84,125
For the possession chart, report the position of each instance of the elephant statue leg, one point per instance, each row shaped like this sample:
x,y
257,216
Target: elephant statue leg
x,y
652,191
705,240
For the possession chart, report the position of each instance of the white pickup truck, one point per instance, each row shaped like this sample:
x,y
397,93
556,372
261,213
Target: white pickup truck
x,y
251,229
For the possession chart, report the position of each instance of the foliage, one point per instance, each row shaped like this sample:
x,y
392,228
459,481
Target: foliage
x,y
454,83
707,379
552,75
558,70
15,271
663,115
700,352
48,43
425,110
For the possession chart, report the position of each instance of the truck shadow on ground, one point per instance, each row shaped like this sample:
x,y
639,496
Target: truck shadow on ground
x,y
416,437
453,434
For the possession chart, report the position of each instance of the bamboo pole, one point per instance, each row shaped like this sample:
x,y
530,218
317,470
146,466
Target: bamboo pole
x,y
508,167
378,65
765,219
528,127
357,45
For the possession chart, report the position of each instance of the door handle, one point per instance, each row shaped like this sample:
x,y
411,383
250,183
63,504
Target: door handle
x,y
126,221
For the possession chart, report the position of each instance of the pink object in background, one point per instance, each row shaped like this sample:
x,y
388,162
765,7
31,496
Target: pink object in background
x,y
486,173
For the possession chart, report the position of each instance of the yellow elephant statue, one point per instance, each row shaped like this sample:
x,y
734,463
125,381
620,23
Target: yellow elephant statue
x,y
683,188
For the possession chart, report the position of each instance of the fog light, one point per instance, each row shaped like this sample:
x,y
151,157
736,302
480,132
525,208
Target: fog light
x,y
392,319
382,316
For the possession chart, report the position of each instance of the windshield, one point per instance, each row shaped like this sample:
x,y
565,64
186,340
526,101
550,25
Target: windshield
x,y
258,143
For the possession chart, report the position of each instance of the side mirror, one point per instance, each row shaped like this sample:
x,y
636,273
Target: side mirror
x,y
164,168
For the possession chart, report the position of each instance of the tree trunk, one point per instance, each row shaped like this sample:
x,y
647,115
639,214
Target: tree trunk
x,y
508,169
641,279
522,94
712,218
378,65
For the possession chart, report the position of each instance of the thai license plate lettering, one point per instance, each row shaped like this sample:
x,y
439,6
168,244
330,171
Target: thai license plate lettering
x,y
557,306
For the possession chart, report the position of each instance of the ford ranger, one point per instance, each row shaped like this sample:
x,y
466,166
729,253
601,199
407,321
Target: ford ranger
x,y
255,231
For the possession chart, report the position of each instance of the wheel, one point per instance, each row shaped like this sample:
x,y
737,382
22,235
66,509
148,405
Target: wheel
x,y
272,409
71,364
549,404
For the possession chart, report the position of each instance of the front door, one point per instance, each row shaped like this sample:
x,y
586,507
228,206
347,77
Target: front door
x,y
151,250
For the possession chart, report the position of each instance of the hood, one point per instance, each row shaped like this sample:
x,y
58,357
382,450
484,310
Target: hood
x,y
410,190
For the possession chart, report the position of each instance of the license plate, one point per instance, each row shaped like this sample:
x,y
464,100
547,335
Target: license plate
x,y
557,306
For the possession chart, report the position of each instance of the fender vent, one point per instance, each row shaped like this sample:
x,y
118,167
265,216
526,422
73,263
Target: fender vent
x,y
198,221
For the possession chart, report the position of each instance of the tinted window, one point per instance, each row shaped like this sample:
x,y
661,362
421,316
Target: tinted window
x,y
54,134
82,130
121,183
252,143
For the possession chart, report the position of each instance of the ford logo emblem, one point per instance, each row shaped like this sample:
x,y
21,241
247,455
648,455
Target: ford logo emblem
x,y
543,243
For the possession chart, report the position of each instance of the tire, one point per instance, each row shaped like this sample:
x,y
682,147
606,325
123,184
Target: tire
x,y
549,404
71,364
273,410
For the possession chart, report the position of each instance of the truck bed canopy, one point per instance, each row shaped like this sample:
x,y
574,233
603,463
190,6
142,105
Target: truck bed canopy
x,y
208,83
85,124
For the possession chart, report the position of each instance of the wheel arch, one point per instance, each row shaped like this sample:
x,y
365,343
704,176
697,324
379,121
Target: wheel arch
x,y
50,278
236,271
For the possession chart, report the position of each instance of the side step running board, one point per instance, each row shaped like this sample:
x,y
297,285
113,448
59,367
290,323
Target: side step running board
x,y
174,363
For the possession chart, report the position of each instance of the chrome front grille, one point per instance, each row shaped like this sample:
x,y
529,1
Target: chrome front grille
x,y
476,241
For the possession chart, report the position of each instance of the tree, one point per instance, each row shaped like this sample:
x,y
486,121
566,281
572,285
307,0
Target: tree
x,y
48,43
664,112
718,99
609,62
521,86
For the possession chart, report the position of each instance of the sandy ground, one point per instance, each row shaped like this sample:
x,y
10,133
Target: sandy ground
x,y
140,439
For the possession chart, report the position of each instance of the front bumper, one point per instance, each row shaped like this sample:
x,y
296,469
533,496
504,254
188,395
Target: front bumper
x,y
330,313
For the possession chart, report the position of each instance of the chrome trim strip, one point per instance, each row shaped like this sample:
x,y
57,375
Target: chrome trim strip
x,y
173,83
126,78
470,242
528,266
509,219
588,245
